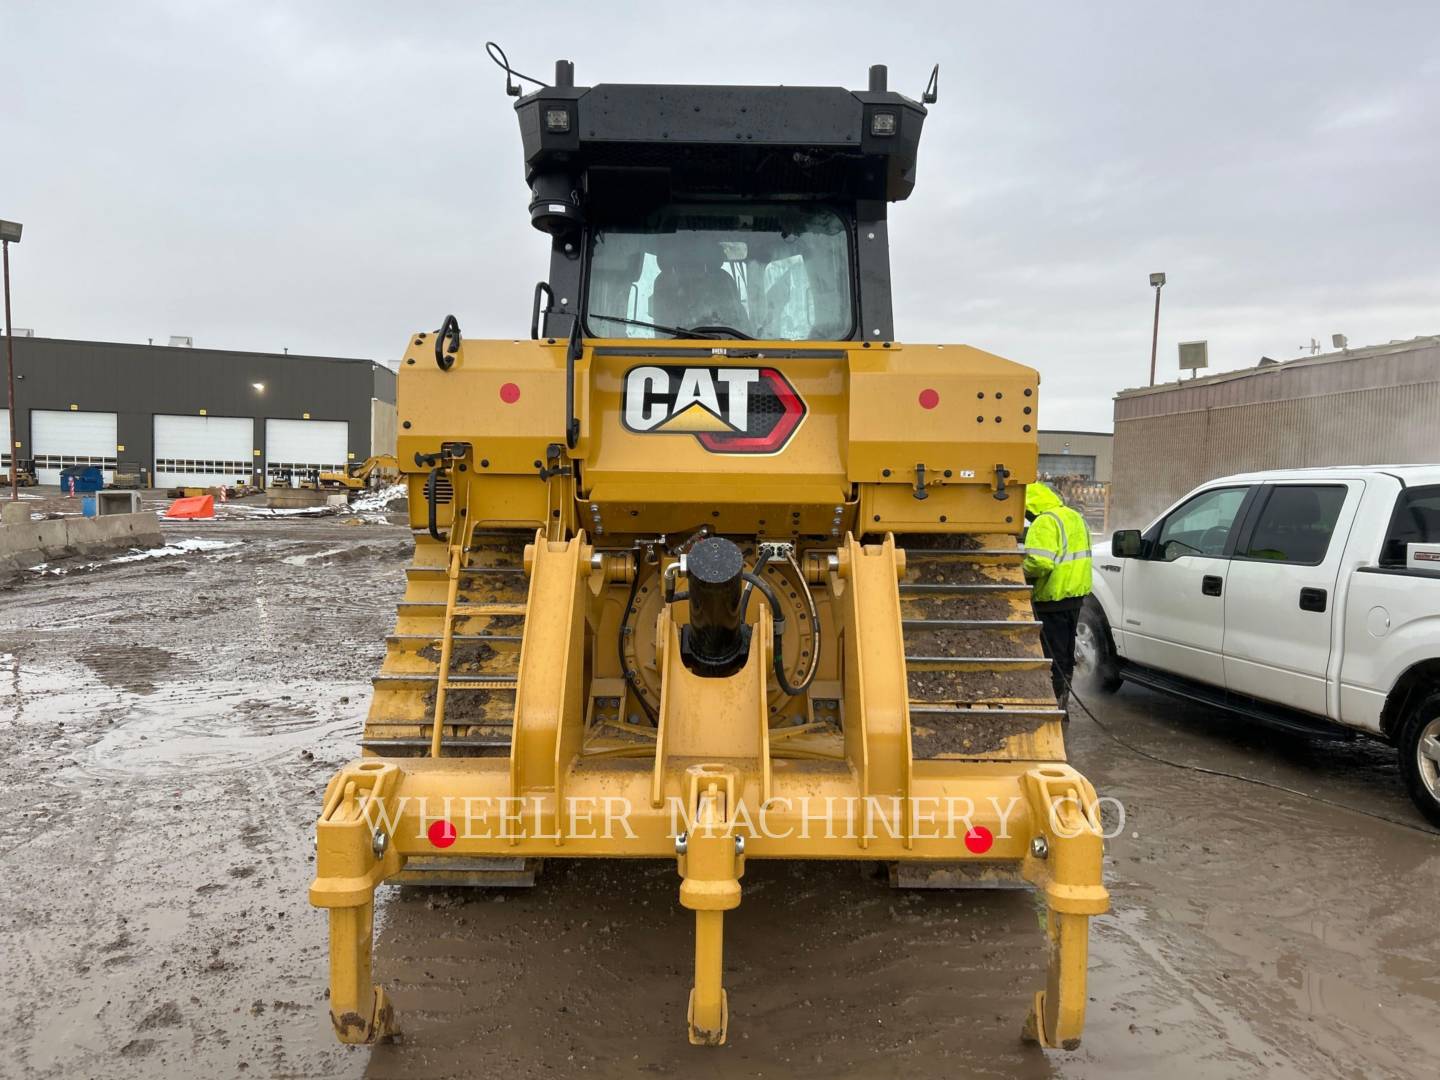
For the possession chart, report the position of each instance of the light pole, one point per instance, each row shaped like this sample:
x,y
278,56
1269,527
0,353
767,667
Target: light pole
x,y
10,234
1157,280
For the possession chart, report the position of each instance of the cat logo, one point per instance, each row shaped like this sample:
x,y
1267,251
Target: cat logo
x,y
729,410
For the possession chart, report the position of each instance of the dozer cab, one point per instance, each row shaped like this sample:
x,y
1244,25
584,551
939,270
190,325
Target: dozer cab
x,y
712,568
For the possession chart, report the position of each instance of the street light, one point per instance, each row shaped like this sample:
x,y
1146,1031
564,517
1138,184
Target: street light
x,y
10,234
1158,281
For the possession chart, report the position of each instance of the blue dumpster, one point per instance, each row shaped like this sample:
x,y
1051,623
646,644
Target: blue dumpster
x,y
85,477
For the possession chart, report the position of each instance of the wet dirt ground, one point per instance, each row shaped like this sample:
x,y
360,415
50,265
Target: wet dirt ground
x,y
169,724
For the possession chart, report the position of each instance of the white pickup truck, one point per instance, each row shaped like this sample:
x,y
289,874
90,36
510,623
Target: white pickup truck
x,y
1308,598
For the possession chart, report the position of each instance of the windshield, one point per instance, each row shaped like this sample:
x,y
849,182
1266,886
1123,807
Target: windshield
x,y
768,271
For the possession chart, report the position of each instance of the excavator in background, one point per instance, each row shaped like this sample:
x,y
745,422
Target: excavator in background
x,y
712,568
362,475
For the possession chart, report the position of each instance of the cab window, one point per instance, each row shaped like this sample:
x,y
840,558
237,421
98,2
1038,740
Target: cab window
x,y
1295,524
770,271
1416,520
1200,526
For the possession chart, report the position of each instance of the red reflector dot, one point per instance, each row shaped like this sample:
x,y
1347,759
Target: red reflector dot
x,y
442,833
979,839
929,399
509,393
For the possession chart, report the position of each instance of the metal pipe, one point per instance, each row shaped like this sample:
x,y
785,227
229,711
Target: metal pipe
x,y
10,364
1155,333
564,73
878,78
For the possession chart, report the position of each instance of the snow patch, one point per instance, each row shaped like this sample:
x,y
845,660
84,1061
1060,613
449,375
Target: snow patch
x,y
301,560
178,547
379,500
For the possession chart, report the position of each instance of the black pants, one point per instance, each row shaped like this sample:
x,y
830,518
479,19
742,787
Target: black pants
x,y
1057,637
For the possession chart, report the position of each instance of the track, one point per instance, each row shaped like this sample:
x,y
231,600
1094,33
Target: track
x,y
979,681
480,698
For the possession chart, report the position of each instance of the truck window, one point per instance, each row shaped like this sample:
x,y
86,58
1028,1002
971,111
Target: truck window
x,y
1202,525
1416,520
1295,524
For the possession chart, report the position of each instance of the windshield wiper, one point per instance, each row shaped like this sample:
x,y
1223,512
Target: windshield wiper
x,y
719,328
678,331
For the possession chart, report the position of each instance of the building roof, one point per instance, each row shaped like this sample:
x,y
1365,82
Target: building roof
x,y
1397,363
197,351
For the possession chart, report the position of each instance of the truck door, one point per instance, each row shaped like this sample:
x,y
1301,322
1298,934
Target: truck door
x,y
1174,599
1280,614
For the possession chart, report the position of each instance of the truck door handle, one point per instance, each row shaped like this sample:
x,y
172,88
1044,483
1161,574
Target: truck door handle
x,y
1313,599
1210,584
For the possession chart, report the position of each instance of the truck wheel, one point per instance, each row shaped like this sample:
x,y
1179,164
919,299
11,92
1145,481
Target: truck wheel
x,y
1094,656
1419,744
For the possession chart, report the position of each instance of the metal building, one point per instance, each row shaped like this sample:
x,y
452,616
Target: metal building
x,y
194,416
1082,454
1368,406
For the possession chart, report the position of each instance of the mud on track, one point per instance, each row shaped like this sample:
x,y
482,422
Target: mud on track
x,y
169,725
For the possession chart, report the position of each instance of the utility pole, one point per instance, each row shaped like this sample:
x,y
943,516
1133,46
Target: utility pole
x,y
1157,280
10,234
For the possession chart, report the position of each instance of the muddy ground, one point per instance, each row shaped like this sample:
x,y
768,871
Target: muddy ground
x,y
168,726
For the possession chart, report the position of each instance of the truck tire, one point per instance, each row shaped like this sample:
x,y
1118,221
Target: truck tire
x,y
1094,651
1419,743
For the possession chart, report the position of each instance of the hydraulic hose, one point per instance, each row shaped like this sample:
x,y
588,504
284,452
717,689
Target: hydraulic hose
x,y
779,658
632,678
759,567
432,482
814,619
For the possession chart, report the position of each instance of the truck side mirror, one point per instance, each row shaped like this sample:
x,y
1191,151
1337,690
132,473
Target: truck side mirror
x,y
1126,544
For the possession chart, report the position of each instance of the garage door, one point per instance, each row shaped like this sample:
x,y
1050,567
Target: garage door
x,y
300,447
7,445
200,451
62,439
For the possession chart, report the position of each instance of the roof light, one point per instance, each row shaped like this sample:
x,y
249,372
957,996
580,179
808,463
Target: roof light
x,y
882,123
557,119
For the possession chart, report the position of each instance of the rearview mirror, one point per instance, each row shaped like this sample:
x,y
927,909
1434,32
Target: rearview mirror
x,y
1126,544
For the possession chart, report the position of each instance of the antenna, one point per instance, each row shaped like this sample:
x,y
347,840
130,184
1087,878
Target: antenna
x,y
931,93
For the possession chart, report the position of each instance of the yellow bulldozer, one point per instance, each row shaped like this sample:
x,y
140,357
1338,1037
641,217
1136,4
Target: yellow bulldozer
x,y
712,568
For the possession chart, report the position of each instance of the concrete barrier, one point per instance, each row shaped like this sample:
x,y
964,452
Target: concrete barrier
x,y
24,544
111,503
296,498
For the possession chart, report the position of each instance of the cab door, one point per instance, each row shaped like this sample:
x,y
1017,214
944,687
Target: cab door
x,y
1280,615
1174,598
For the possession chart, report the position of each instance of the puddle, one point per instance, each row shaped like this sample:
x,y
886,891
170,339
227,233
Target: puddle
x,y
218,727
136,668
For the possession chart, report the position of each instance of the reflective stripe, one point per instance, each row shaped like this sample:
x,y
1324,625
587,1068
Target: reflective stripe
x,y
1071,556
1053,556
1064,542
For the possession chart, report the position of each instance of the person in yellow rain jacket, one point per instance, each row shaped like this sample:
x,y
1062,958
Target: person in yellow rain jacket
x,y
1057,565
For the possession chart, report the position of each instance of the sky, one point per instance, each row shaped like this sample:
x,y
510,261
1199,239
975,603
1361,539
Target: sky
x,y
329,177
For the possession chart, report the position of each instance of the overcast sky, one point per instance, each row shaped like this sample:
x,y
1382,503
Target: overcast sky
x,y
331,176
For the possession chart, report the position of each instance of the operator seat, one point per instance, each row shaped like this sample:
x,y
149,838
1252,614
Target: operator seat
x,y
695,291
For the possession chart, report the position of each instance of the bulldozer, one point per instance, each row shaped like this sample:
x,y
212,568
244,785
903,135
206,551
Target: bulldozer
x,y
712,567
